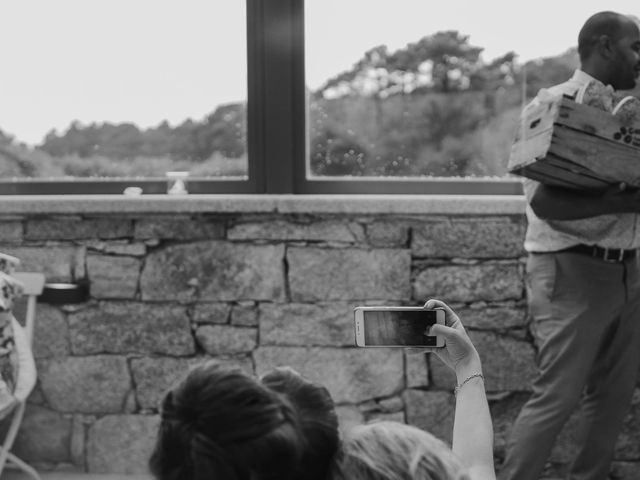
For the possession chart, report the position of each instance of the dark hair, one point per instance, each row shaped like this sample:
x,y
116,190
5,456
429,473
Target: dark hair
x,y
610,24
316,417
219,423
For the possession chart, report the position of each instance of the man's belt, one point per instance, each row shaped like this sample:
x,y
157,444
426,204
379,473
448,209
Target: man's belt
x,y
606,254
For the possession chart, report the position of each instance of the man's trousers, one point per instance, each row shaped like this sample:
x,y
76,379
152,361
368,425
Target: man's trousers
x,y
585,318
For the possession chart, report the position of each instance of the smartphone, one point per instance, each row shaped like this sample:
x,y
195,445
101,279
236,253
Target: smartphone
x,y
396,327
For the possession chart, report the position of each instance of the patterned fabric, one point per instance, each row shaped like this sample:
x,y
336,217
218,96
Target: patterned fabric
x,y
628,110
597,95
10,289
604,97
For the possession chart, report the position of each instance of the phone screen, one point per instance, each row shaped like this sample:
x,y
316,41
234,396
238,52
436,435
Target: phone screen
x,y
399,327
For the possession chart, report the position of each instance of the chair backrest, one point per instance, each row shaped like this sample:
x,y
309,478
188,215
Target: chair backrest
x,y
33,285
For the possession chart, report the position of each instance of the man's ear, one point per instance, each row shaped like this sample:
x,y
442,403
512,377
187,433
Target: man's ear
x,y
605,46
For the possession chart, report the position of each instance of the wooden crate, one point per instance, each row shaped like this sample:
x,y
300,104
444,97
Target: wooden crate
x,y
567,144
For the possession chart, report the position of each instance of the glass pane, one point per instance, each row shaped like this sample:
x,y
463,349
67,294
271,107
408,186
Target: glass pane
x,y
123,88
418,89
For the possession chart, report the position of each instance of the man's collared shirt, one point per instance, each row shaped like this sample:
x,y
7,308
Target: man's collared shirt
x,y
618,230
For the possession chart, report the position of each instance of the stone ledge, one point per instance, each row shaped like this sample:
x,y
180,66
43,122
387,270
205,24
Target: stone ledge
x,y
243,203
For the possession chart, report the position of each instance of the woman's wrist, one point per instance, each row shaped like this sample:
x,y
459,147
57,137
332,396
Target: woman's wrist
x,y
470,366
473,378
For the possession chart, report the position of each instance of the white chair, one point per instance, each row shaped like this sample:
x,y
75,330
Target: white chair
x,y
23,337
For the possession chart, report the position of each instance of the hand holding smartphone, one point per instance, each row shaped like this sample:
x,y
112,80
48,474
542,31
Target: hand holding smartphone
x,y
397,326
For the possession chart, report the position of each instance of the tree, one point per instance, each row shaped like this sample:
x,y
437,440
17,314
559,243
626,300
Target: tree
x,y
223,131
453,60
367,77
500,72
6,139
334,153
76,140
544,72
444,61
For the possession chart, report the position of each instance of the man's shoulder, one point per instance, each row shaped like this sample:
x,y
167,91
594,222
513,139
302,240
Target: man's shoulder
x,y
570,87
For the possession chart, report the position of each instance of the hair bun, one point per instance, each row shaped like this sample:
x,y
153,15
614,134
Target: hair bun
x,y
219,422
176,412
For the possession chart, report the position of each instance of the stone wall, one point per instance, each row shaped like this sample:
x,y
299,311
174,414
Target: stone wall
x,y
258,289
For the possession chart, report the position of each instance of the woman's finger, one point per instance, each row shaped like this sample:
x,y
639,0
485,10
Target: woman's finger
x,y
416,350
434,303
443,331
451,318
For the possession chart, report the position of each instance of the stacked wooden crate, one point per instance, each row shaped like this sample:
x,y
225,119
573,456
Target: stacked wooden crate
x,y
567,144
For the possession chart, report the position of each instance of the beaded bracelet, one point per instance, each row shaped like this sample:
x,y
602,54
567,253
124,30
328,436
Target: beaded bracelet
x,y
458,387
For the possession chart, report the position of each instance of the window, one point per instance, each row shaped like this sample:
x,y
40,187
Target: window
x,y
400,100
290,147
275,96
124,92
412,97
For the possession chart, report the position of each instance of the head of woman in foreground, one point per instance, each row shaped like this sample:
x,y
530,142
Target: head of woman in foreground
x,y
219,422
395,451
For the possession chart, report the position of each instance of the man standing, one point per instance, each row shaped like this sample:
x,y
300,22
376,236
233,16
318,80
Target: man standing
x,y
583,286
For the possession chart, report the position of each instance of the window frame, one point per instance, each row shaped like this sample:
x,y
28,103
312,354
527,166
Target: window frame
x,y
277,146
284,84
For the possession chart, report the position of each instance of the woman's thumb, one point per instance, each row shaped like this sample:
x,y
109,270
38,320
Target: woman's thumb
x,y
442,330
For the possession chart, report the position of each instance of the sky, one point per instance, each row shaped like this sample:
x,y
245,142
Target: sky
x,y
145,61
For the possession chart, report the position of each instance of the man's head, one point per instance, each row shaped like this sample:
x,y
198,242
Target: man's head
x,y
609,48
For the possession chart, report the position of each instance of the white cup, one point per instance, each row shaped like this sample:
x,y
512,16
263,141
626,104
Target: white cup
x,y
177,183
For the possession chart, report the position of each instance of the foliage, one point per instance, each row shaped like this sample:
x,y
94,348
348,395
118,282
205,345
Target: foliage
x,y
550,71
433,107
222,132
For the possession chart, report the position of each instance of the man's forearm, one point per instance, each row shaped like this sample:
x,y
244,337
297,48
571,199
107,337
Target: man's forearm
x,y
552,203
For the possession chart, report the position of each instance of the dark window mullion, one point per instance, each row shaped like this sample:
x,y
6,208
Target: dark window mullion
x,y
255,94
300,99
276,80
